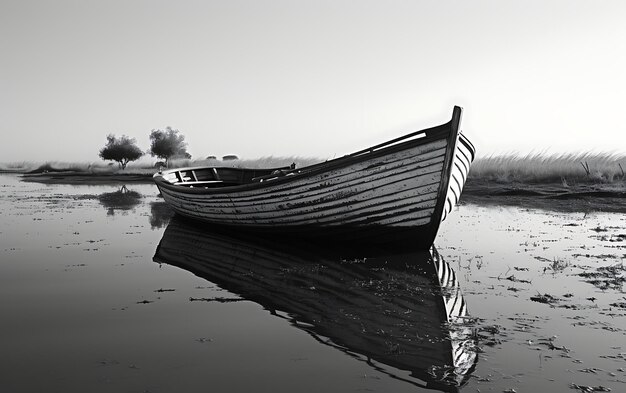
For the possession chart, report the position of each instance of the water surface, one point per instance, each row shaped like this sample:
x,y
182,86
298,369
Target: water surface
x,y
92,303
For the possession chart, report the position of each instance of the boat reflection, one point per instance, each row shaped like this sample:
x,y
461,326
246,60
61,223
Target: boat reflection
x,y
122,199
400,312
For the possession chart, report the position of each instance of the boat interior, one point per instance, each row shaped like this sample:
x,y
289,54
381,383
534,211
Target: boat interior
x,y
213,177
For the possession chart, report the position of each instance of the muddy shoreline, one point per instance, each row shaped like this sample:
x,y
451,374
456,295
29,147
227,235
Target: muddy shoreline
x,y
609,197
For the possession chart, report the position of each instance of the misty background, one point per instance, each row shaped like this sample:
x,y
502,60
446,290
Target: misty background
x,y
314,79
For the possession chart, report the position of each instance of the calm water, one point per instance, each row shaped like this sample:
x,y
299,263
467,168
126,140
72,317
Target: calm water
x,y
92,302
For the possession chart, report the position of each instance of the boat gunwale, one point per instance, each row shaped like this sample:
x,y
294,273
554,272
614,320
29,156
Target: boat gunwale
x,y
194,168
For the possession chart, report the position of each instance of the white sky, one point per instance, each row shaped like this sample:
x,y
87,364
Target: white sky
x,y
309,78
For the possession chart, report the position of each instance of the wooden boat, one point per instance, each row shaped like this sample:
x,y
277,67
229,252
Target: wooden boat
x,y
399,190
403,314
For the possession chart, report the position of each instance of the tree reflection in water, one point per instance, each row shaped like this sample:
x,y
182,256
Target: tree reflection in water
x,y
122,199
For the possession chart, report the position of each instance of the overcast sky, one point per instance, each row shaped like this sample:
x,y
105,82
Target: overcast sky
x,y
309,78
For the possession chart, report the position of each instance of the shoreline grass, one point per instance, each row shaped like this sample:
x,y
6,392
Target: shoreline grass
x,y
564,169
148,168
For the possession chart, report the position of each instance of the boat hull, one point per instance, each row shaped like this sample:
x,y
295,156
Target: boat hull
x,y
396,193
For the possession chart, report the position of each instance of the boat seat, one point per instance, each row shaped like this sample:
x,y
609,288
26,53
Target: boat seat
x,y
195,183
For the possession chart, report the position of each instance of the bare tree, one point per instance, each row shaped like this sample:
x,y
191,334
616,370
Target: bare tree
x,y
167,144
122,149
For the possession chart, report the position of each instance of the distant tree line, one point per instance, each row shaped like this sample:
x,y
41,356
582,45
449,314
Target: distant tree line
x,y
164,144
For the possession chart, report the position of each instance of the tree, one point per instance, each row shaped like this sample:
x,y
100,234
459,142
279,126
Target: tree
x,y
167,144
122,149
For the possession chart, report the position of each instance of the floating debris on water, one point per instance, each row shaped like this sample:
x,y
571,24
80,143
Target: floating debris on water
x,y
589,389
215,299
545,298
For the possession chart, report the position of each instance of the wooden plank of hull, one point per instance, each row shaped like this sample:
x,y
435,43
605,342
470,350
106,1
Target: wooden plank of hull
x,y
328,210
351,305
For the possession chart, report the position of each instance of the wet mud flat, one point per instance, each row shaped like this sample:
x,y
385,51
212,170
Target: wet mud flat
x,y
106,294
547,289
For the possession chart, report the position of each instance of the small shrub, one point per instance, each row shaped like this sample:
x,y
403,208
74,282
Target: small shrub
x,y
168,144
122,150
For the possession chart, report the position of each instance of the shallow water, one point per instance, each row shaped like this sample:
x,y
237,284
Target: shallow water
x,y
86,307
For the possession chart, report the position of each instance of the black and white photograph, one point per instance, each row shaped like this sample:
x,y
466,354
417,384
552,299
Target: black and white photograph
x,y
312,196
